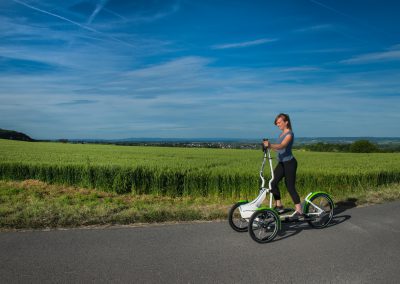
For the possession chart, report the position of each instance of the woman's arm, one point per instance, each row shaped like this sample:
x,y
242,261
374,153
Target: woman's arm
x,y
283,144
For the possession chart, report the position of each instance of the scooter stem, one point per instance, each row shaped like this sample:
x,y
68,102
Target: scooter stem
x,y
267,154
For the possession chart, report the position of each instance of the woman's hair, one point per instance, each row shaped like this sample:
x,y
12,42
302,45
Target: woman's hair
x,y
285,118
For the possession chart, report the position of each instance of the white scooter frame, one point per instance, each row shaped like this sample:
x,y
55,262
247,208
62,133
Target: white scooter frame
x,y
246,210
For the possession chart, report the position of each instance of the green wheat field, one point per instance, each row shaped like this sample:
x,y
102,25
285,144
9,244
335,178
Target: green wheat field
x,y
187,171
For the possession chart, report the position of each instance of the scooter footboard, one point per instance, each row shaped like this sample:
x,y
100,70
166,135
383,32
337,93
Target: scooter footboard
x,y
246,210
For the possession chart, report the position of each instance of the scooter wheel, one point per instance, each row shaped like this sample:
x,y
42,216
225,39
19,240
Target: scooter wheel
x,y
264,225
235,219
324,202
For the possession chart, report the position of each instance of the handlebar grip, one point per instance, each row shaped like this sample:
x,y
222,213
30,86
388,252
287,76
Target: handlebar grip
x,y
263,146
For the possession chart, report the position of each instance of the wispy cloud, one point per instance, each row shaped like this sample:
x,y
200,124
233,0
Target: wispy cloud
x,y
189,64
243,44
77,102
315,28
157,16
20,66
187,93
324,50
99,6
125,19
394,47
391,55
56,15
299,69
85,27
64,72
352,18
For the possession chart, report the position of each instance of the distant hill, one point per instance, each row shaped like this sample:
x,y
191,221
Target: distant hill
x,y
299,141
14,135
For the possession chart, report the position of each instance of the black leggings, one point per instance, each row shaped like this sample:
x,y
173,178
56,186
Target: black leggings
x,y
287,170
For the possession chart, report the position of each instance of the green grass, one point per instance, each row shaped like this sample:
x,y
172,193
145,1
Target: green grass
x,y
33,204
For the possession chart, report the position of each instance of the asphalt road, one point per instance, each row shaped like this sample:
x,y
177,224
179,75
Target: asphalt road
x,y
361,246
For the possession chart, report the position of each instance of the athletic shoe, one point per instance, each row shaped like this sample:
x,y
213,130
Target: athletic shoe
x,y
279,209
297,216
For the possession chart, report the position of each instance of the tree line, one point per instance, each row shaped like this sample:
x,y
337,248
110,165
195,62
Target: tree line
x,y
359,146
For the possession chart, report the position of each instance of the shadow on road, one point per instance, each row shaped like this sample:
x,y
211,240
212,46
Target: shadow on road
x,y
291,229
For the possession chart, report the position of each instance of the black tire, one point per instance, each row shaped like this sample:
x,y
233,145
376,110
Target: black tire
x,y
235,219
324,202
264,225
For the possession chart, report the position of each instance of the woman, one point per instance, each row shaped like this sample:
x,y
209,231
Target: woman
x,y
287,164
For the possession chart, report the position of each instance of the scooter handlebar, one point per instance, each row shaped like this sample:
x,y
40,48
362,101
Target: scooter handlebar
x,y
263,146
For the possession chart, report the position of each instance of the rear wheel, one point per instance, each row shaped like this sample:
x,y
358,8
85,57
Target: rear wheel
x,y
264,225
320,213
235,218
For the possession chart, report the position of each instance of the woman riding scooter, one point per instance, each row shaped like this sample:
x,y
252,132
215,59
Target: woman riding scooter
x,y
287,164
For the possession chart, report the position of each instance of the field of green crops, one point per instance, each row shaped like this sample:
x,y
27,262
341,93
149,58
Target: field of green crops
x,y
187,171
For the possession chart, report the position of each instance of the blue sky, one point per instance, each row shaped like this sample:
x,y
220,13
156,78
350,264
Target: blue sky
x,y
117,69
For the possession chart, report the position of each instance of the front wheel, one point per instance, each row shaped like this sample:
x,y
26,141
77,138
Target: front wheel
x,y
319,210
235,218
264,225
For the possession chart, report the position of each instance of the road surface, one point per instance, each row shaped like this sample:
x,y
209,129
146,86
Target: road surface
x,y
361,246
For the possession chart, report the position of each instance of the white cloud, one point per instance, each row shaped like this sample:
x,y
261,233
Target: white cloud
x,y
394,47
299,69
391,55
190,97
100,5
156,16
171,68
85,27
243,44
55,15
316,28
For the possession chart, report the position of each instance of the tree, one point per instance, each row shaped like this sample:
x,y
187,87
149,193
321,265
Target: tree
x,y
363,146
14,135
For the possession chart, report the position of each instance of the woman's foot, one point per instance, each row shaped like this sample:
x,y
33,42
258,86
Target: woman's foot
x,y
298,208
279,209
297,215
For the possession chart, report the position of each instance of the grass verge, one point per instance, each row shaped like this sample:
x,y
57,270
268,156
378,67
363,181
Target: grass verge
x,y
32,204
35,204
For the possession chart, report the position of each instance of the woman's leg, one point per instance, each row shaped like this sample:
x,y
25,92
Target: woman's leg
x,y
278,175
290,168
